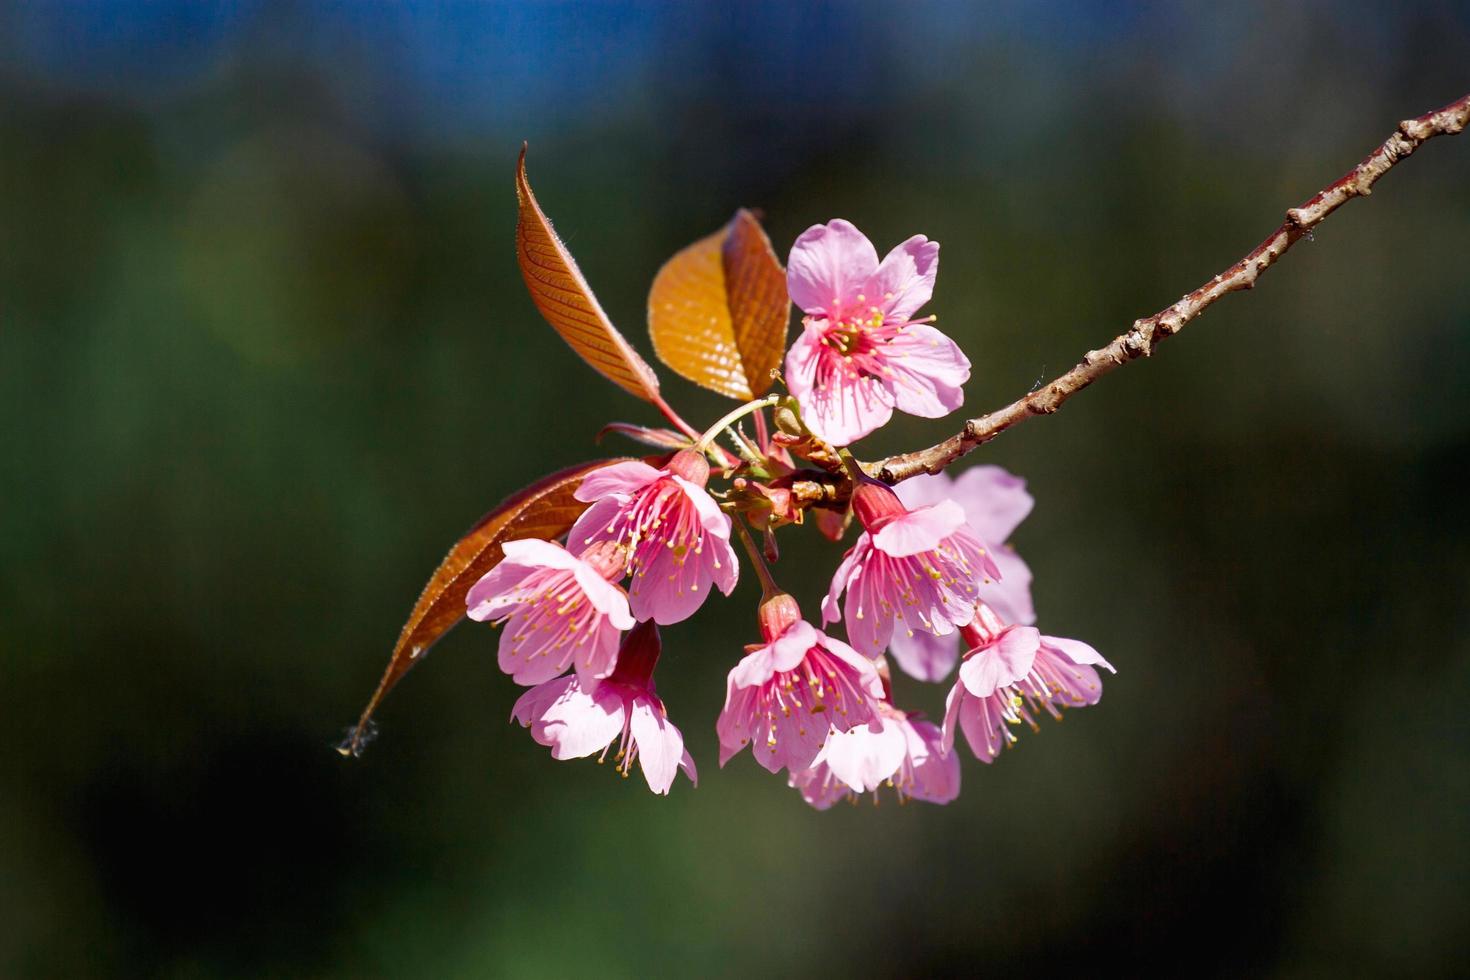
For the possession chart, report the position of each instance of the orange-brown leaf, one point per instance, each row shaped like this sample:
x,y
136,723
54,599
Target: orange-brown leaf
x,y
759,307
566,301
717,311
546,509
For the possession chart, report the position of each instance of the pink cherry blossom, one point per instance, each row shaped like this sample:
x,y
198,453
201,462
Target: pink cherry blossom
x,y
1012,674
558,609
786,695
995,502
923,566
861,353
676,538
577,719
906,753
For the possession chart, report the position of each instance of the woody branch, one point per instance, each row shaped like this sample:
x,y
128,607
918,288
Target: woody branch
x,y
1140,339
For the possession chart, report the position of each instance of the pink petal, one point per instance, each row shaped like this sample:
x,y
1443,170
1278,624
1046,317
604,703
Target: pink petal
x,y
534,703
1077,651
721,563
754,669
929,372
1003,662
867,680
532,552
801,363
578,724
905,279
923,655
606,598
976,555
668,590
1011,596
536,660
981,723
660,745
926,488
868,628
626,478
598,657
818,786
828,266
831,611
995,501
494,594
799,737
843,410
791,647
734,724
936,771
952,704
863,758
711,518
593,524
1072,684
919,530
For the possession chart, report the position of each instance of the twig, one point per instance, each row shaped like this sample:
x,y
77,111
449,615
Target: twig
x,y
1139,341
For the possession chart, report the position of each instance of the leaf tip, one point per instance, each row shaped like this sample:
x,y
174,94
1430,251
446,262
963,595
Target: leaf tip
x,y
521,186
356,738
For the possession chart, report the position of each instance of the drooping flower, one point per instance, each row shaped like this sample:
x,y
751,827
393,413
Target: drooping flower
x,y
923,567
578,719
905,753
558,609
861,353
994,502
786,695
676,539
1010,675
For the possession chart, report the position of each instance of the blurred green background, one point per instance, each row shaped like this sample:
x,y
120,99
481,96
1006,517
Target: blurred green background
x,y
265,353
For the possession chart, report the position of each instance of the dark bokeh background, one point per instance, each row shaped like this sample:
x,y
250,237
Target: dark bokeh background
x,y
264,353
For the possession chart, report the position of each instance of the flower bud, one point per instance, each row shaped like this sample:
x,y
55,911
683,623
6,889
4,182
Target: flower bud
x,y
690,465
776,615
875,505
786,419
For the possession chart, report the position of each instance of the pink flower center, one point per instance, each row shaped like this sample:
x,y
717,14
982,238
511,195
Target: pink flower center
x,y
658,517
854,340
1053,685
552,600
913,584
607,558
627,752
805,692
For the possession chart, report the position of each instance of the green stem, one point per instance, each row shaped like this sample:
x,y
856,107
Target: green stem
x,y
854,468
724,457
738,413
769,587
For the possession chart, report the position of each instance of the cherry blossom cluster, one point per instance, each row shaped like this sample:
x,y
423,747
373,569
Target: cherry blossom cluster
x,y
930,582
